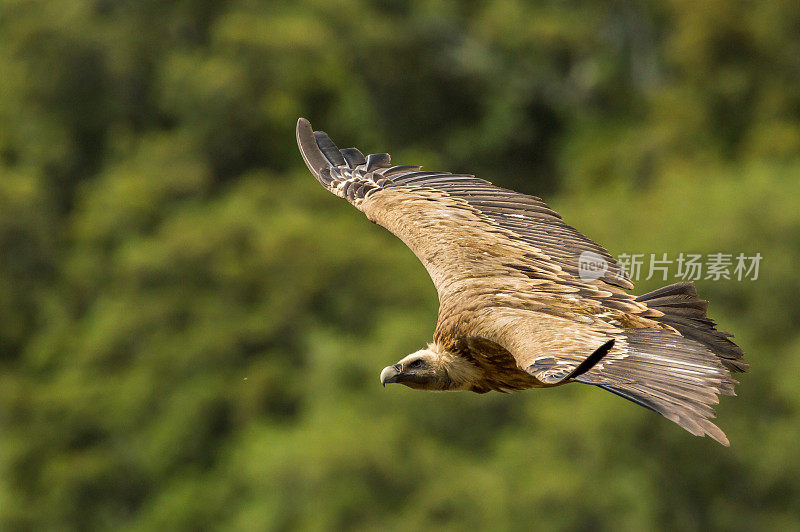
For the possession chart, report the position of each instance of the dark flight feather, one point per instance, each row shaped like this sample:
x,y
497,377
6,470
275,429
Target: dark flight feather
x,y
352,156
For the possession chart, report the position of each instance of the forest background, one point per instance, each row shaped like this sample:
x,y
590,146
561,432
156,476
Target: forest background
x,y
191,329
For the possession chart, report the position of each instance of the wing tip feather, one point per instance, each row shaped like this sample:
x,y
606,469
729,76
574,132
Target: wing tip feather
x,y
307,142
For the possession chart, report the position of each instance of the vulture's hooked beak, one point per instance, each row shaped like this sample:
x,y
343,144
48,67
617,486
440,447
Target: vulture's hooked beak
x,y
391,374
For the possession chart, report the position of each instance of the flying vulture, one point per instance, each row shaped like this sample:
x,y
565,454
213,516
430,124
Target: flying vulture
x,y
515,309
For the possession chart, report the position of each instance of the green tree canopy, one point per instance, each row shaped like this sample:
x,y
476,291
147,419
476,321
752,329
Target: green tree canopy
x,y
191,329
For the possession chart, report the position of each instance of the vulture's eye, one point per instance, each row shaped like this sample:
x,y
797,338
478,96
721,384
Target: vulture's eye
x,y
415,364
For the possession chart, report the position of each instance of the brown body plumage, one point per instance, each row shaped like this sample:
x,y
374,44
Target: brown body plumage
x,y
514,311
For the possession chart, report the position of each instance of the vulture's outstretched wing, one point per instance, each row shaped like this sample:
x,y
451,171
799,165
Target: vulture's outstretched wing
x,y
505,267
557,246
487,249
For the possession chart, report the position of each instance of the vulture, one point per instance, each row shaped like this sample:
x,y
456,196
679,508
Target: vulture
x,y
516,310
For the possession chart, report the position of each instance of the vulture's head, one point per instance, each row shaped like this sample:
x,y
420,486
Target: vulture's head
x,y
430,369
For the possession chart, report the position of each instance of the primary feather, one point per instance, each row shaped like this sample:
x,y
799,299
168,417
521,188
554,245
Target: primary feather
x,y
514,312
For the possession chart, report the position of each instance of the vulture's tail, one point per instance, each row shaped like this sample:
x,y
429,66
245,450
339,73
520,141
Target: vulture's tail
x,y
677,376
686,312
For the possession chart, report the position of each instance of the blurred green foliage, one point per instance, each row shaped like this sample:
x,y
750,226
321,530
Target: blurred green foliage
x,y
191,329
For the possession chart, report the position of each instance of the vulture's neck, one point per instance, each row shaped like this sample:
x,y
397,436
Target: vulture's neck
x,y
464,375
